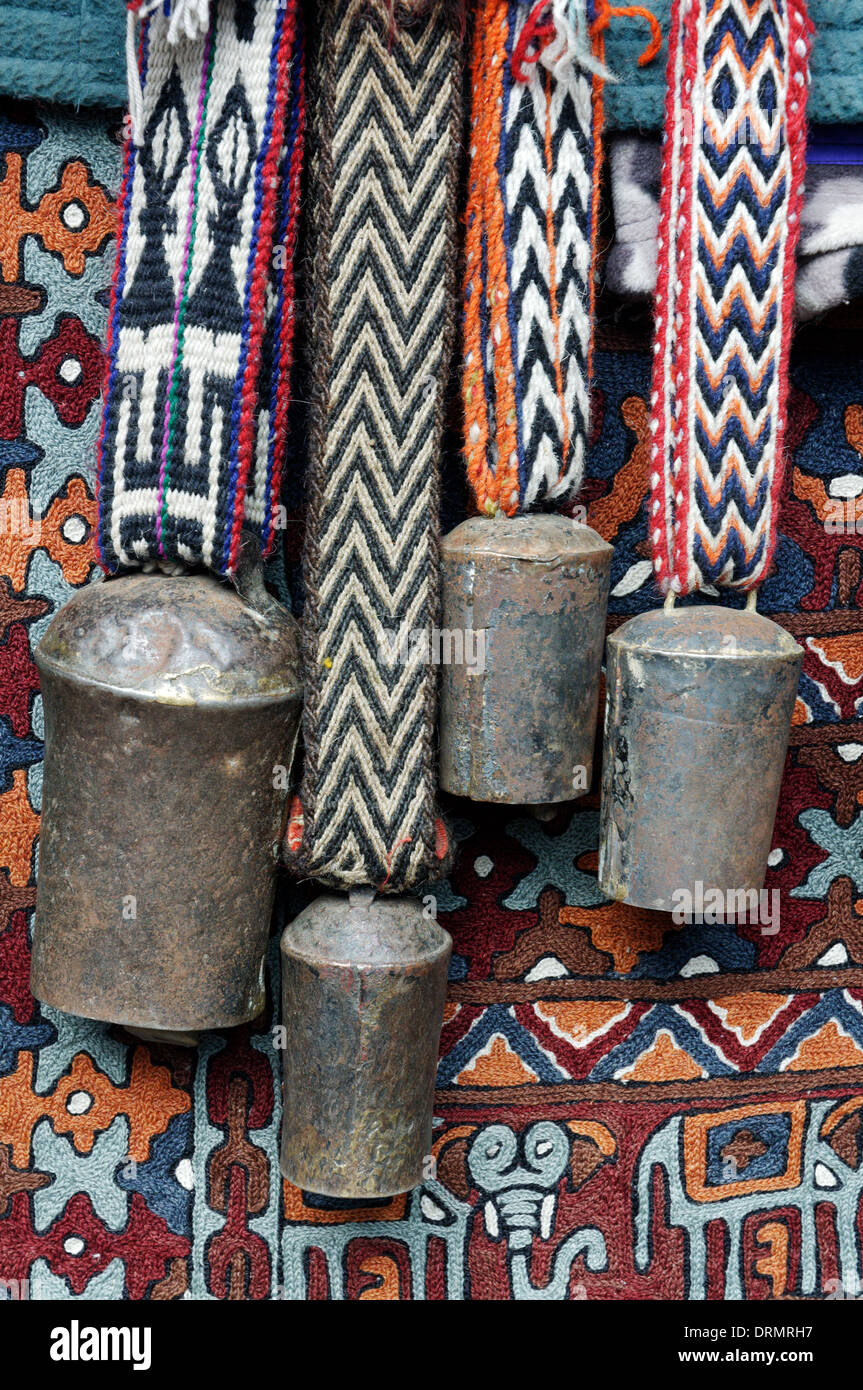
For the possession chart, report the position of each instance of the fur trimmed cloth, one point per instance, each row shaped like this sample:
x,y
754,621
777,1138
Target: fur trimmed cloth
x,y
830,251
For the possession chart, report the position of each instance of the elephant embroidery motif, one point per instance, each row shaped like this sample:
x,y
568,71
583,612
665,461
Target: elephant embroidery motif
x,y
726,1165
517,1176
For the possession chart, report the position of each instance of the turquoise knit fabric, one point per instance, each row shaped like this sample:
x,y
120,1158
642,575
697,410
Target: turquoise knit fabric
x,y
638,99
68,51
72,51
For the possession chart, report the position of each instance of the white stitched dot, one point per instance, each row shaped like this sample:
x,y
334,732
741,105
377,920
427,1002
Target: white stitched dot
x,y
185,1174
73,216
70,370
74,530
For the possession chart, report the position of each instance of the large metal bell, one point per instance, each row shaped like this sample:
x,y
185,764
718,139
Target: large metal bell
x,y
363,987
697,719
524,600
171,714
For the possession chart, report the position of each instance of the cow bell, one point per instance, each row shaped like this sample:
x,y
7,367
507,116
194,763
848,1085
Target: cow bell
x,y
363,986
171,713
697,718
525,597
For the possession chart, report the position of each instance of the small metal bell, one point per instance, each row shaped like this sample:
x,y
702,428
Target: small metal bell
x,y
171,713
526,598
697,718
363,987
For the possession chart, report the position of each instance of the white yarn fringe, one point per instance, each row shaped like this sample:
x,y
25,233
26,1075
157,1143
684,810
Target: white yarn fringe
x,y
571,47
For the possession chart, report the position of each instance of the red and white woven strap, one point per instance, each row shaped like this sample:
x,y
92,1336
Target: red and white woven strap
x,y
732,178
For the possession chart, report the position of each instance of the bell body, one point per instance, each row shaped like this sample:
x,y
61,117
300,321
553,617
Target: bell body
x,y
698,713
363,987
169,705
518,724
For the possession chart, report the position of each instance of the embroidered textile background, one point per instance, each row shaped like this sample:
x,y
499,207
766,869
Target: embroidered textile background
x,y
690,1099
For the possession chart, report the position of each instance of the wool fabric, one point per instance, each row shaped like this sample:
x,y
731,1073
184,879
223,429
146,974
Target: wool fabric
x,y
385,145
533,186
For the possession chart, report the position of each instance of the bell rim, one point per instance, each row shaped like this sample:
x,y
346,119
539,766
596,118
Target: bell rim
x,y
491,530
351,956
259,659
177,1024
288,694
623,639
379,1192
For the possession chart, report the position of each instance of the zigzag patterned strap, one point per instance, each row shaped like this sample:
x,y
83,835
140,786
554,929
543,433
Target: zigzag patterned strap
x,y
385,148
731,190
202,314
533,189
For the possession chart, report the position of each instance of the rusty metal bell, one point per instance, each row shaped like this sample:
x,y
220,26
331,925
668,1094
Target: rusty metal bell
x,y
171,713
363,987
697,719
524,599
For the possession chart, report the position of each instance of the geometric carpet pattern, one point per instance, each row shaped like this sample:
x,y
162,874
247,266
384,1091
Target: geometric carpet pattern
x,y
626,1108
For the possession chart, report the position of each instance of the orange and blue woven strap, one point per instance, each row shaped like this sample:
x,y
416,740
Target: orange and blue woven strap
x,y
732,179
533,193
201,322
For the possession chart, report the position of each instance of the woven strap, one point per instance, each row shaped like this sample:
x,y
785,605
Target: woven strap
x,y
385,146
730,210
203,304
533,187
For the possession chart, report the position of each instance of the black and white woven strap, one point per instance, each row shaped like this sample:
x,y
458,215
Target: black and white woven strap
x,y
385,139
202,313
